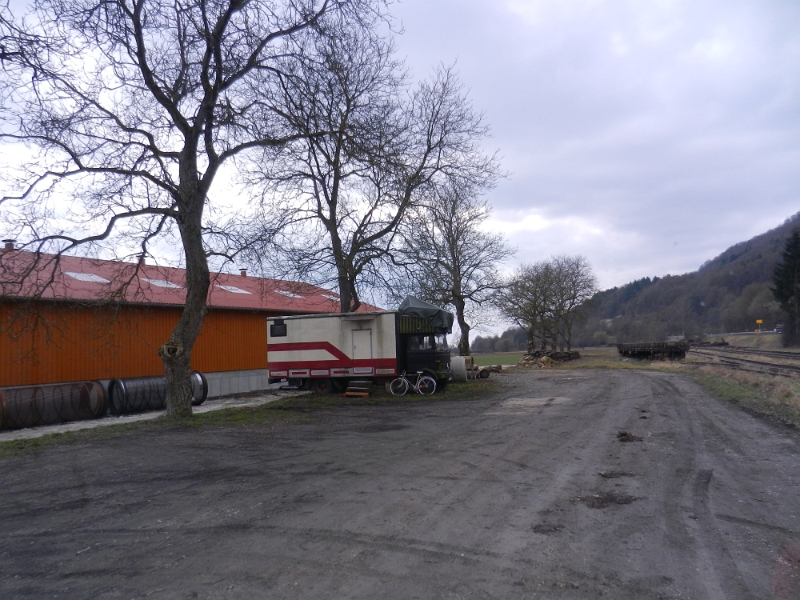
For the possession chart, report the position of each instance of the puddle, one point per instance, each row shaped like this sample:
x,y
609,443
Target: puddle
x,y
547,529
381,427
524,405
624,436
605,499
614,474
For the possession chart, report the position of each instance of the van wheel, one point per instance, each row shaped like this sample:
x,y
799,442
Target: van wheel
x,y
321,386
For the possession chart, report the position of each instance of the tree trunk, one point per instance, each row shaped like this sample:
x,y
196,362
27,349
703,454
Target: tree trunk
x,y
342,280
176,354
568,323
460,306
348,297
344,293
355,301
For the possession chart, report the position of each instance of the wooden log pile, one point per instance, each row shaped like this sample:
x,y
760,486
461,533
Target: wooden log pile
x,y
543,360
482,372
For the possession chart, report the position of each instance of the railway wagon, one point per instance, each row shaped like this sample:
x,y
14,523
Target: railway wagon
x,y
654,350
325,351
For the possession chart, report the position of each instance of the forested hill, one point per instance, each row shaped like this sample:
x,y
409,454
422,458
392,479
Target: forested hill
x,y
726,294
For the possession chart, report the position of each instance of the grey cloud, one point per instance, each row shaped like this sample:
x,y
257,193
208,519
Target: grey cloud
x,y
670,128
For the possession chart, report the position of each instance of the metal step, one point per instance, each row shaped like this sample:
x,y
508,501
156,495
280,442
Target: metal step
x,y
358,389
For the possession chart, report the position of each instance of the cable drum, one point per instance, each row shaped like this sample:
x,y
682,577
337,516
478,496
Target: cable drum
x,y
199,388
141,394
459,366
128,396
49,404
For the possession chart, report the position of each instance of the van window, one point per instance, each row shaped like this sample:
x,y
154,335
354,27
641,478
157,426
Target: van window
x,y
441,342
428,342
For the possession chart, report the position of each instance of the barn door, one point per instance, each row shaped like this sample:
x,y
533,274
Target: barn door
x,y
362,344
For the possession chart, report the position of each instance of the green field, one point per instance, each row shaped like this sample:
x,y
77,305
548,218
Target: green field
x,y
498,358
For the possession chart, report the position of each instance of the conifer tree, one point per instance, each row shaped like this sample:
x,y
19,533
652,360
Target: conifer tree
x,y
787,287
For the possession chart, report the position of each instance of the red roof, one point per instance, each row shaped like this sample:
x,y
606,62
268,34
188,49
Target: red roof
x,y
85,279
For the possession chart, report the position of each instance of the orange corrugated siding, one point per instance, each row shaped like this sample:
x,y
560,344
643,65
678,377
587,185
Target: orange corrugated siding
x,y
231,341
58,342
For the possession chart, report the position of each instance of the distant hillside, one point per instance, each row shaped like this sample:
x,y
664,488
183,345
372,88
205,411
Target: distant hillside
x,y
726,294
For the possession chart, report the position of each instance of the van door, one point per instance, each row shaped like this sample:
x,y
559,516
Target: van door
x,y
362,344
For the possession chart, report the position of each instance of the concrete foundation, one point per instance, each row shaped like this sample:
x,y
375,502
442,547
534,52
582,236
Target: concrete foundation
x,y
224,383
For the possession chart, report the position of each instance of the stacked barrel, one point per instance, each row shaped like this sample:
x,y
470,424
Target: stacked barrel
x,y
31,406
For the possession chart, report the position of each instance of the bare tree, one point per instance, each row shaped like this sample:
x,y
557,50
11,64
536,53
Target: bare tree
x,y
134,105
524,300
573,284
546,299
7,32
450,260
337,198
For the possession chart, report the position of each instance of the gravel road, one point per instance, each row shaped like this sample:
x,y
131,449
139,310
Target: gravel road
x,y
528,494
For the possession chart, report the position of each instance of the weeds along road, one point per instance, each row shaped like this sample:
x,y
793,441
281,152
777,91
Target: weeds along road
x,y
492,498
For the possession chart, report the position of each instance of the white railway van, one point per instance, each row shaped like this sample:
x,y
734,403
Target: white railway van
x,y
324,352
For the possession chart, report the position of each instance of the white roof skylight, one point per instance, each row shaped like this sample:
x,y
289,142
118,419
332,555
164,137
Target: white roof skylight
x,y
161,283
289,294
233,289
87,277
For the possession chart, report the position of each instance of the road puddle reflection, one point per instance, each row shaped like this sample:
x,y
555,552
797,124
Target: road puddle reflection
x,y
526,405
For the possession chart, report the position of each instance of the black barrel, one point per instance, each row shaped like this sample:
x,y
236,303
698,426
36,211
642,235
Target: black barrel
x,y
141,394
199,388
30,406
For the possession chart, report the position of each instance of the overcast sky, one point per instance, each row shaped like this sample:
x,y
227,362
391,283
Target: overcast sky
x,y
647,135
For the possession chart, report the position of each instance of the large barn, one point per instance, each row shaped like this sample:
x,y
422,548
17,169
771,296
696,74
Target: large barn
x,y
81,319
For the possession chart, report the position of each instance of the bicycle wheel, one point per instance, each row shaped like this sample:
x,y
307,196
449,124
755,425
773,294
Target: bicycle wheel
x,y
426,385
399,386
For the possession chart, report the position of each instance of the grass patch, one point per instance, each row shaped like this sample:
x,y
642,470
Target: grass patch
x,y
458,391
777,398
247,415
591,358
291,411
606,358
229,417
498,358
15,447
761,341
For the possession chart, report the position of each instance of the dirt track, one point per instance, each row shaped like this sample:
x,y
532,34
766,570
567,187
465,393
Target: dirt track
x,y
497,498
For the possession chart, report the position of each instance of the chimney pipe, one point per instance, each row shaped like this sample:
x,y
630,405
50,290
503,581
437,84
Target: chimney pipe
x,y
9,244
244,272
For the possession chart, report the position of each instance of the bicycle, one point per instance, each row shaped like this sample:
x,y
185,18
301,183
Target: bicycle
x,y
424,384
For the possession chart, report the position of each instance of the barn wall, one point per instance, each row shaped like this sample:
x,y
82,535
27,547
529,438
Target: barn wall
x,y
231,341
58,342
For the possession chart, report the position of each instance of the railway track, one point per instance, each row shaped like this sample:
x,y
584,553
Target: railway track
x,y
753,366
741,350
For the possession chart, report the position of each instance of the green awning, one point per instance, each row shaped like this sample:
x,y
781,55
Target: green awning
x,y
435,317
